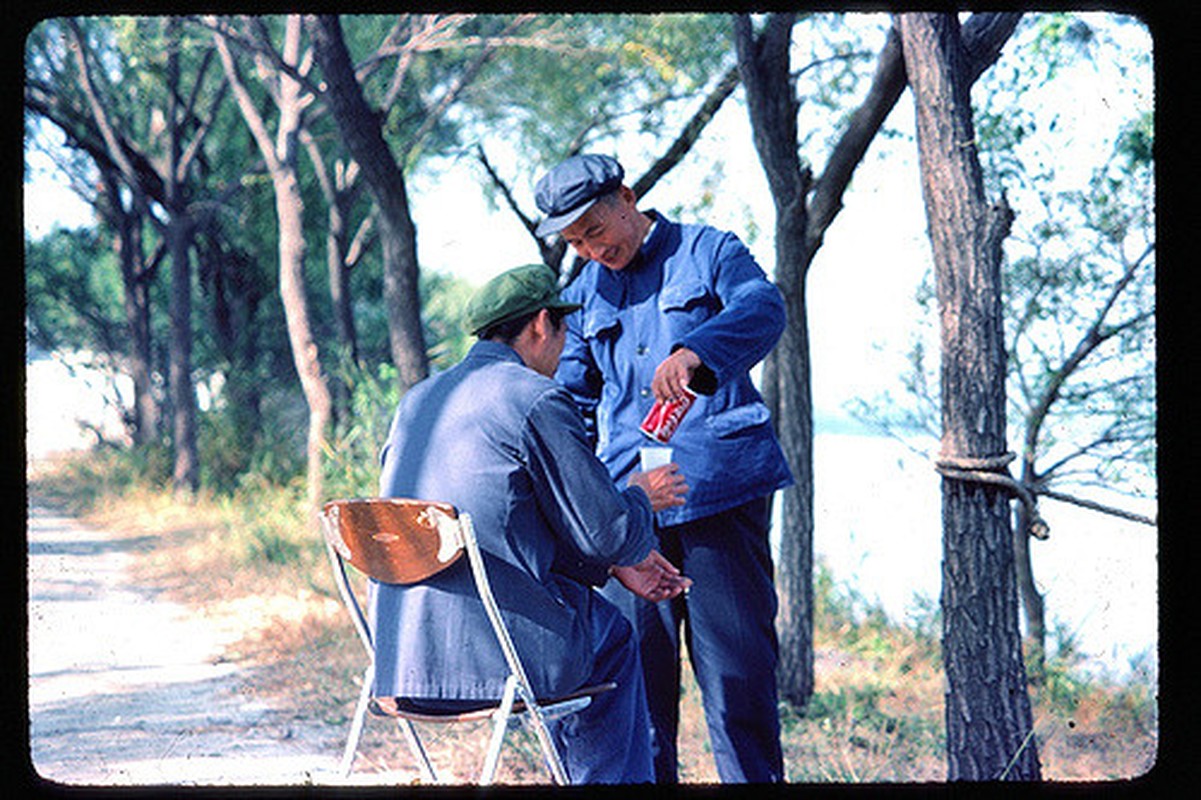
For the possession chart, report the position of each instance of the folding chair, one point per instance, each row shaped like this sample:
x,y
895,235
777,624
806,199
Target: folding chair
x,y
407,541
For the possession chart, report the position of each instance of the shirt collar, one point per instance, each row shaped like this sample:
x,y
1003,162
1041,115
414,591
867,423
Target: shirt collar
x,y
488,350
650,242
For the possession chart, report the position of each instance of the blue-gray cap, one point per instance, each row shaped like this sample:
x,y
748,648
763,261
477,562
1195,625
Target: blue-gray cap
x,y
570,189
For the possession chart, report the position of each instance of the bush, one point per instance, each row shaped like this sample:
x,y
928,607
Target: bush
x,y
352,457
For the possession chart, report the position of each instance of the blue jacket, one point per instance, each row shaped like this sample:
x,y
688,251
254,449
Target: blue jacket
x,y
508,446
696,287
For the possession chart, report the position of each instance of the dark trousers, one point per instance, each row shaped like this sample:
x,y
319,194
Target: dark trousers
x,y
608,741
728,620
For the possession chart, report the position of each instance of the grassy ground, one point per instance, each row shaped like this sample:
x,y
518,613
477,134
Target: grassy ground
x,y
876,714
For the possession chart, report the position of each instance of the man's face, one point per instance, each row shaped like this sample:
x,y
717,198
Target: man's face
x,y
610,232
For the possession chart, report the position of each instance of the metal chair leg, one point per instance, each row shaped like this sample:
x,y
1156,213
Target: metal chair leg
x,y
423,760
549,752
500,723
356,724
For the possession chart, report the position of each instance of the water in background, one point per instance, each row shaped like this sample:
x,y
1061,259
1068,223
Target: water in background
x,y
877,520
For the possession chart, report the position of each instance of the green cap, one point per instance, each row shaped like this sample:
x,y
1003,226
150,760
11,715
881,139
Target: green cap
x,y
521,290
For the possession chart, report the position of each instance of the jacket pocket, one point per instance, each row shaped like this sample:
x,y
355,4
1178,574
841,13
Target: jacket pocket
x,y
733,421
676,296
599,321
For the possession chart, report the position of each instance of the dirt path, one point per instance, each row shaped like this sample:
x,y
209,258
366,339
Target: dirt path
x,y
125,688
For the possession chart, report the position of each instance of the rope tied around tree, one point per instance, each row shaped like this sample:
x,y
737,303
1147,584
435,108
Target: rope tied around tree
x,y
994,471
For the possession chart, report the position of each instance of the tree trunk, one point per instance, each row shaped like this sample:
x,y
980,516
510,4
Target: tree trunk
x,y
794,422
137,320
340,188
289,209
989,721
764,66
282,157
127,226
337,246
361,130
186,474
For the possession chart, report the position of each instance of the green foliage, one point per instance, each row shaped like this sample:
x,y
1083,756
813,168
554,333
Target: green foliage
x,y
82,483
73,293
352,457
586,77
842,613
232,452
266,526
443,307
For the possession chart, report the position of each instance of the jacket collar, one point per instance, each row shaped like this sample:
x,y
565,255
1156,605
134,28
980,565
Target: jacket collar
x,y
485,350
657,236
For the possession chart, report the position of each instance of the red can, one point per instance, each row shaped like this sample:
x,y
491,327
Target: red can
x,y
665,416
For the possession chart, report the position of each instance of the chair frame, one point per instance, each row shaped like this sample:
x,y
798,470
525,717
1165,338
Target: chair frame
x,y
409,541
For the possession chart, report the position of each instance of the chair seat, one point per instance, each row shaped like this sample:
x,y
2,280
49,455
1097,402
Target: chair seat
x,y
420,710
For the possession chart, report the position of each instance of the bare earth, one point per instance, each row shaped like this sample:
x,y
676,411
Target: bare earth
x,y
129,689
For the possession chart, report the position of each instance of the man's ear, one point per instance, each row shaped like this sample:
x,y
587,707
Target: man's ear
x,y
540,324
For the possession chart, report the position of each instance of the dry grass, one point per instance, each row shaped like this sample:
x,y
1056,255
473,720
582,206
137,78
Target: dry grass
x,y
876,714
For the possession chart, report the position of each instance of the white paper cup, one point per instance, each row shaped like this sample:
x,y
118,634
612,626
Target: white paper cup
x,y
652,457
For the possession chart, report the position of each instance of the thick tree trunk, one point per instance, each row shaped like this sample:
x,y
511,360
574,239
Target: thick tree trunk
x,y
186,474
361,130
989,722
794,422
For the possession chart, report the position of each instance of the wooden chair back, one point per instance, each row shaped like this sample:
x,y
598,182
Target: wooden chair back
x,y
394,540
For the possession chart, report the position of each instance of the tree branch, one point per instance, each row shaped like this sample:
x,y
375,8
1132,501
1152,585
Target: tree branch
x,y
1093,337
254,120
1095,506
691,132
983,35
461,82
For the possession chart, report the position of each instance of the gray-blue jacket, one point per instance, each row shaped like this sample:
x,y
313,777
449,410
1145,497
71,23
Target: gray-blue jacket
x,y
508,446
689,286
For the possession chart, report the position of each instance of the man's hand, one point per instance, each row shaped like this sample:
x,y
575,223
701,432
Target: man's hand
x,y
664,485
674,373
654,578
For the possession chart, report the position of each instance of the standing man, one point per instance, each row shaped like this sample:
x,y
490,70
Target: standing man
x,y
667,306
498,438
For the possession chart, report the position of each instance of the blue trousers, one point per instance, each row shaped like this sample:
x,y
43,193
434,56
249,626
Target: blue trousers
x,y
728,620
609,740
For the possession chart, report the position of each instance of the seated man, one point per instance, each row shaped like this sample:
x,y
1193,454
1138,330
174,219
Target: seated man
x,y
498,438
